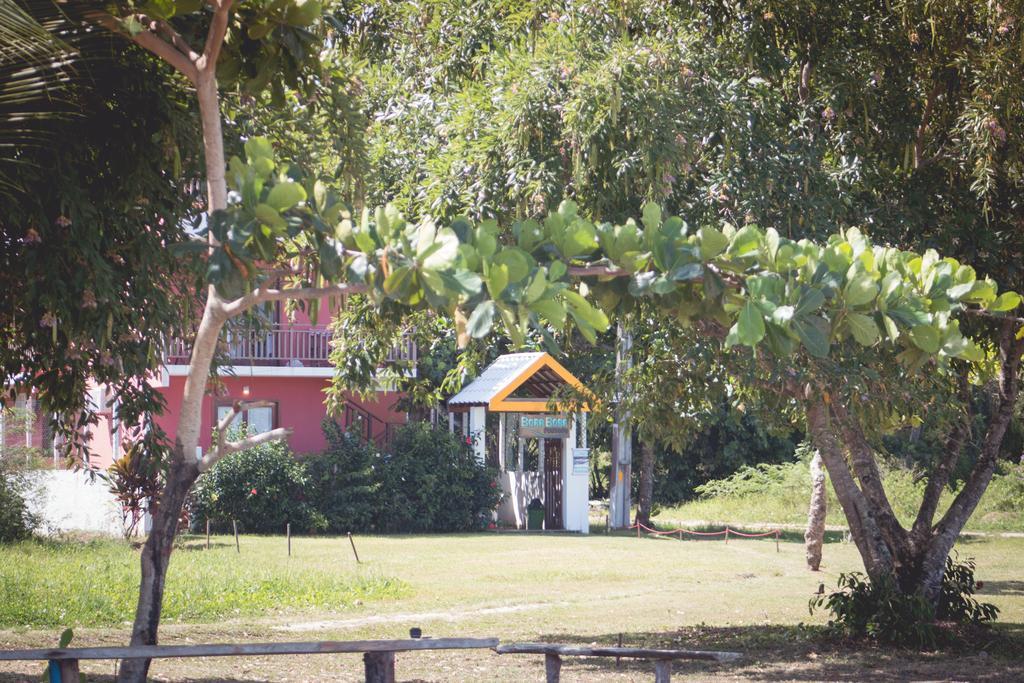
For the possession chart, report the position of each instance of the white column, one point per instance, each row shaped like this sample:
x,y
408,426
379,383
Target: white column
x,y
501,442
477,425
451,422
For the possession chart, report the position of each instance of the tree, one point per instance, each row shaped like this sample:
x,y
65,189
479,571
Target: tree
x,y
812,312
79,118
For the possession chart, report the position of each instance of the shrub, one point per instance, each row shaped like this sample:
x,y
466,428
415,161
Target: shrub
x,y
880,611
342,481
263,488
16,519
432,482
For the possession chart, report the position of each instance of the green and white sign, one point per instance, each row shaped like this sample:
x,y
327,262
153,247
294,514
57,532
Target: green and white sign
x,y
544,426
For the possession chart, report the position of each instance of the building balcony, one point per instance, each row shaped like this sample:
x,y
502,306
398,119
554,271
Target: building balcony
x,y
285,345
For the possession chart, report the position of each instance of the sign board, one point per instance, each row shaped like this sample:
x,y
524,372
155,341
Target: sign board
x,y
581,461
543,426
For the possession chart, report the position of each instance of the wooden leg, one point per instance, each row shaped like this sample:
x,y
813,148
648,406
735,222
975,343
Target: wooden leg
x,y
63,671
379,667
662,671
553,667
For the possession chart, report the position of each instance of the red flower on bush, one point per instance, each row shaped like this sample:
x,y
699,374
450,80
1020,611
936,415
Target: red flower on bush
x,y
492,525
469,441
253,492
494,484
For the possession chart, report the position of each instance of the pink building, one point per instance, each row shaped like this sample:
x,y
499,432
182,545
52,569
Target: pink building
x,y
283,362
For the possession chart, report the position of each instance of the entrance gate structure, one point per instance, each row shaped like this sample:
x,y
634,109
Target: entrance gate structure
x,y
512,408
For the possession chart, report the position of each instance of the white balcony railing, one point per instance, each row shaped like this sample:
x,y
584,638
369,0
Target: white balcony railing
x,y
286,345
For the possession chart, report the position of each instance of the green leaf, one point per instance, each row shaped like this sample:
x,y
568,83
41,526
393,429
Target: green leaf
x,y
517,262
651,216
258,148
860,290
481,320
268,215
750,326
810,301
557,270
891,328
285,195
746,242
552,311
972,352
863,328
398,284
812,335
497,280
982,292
65,638
1007,301
486,239
926,338
537,286
712,242
302,12
443,258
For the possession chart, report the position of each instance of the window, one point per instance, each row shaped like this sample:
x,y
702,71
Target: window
x,y
258,420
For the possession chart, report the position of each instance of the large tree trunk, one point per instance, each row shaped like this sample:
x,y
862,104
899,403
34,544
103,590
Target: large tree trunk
x,y
915,559
814,537
645,503
156,554
184,468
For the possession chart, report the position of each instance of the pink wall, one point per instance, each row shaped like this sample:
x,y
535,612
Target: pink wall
x,y
300,405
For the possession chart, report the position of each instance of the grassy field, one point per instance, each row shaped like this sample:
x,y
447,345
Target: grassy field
x,y
743,596
779,494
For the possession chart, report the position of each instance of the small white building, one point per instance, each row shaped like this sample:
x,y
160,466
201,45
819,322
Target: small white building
x,y
541,450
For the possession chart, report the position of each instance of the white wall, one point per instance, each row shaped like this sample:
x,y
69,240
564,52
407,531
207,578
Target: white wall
x,y
74,501
519,489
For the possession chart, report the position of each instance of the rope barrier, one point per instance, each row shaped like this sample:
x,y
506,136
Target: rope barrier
x,y
724,532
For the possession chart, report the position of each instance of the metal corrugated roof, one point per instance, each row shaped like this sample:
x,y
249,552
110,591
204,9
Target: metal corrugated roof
x,y
496,377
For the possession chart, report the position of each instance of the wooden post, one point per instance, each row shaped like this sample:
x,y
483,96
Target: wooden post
x,y
288,533
379,667
727,535
353,543
234,525
63,671
207,533
776,540
618,660
662,671
552,667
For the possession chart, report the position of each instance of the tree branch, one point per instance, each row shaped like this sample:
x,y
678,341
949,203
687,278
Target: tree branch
x,y
150,41
262,295
215,36
940,475
864,466
211,458
922,128
167,32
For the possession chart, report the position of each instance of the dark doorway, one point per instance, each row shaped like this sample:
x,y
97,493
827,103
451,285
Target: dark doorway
x,y
553,484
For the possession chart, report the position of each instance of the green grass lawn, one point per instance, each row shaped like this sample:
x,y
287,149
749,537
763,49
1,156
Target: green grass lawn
x,y
664,593
47,584
781,496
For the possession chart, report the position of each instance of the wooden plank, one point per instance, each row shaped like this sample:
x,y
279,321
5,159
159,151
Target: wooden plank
x,y
379,667
634,652
552,667
663,671
243,649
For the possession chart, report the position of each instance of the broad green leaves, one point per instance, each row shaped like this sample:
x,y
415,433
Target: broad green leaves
x,y
766,289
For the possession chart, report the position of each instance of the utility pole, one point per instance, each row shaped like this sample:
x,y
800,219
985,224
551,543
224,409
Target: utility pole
x,y
622,435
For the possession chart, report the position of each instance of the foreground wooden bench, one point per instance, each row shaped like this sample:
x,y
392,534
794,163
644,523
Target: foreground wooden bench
x,y
378,655
554,652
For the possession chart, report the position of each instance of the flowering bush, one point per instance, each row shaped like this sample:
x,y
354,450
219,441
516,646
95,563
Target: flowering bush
x,y
263,489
